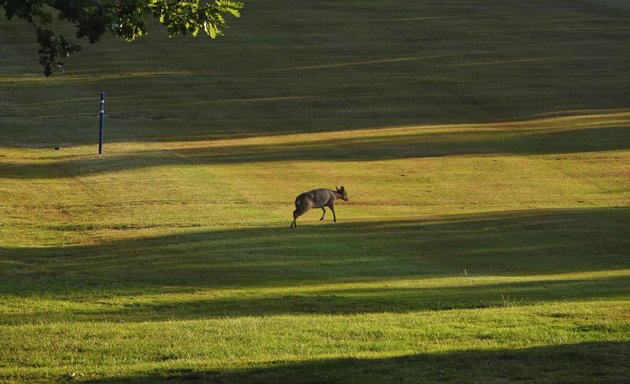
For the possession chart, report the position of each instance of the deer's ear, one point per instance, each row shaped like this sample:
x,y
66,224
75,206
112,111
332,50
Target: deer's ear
x,y
336,188
341,189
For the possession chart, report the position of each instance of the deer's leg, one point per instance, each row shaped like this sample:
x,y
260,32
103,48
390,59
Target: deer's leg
x,y
332,208
297,213
323,214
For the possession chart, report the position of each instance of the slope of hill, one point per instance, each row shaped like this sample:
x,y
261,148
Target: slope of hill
x,y
485,147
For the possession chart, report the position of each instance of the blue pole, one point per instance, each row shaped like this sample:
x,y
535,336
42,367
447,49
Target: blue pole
x,y
100,131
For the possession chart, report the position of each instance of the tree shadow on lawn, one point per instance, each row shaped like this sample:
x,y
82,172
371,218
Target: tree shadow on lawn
x,y
604,362
345,301
387,147
265,271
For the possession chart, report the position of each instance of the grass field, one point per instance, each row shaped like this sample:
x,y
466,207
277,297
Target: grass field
x,y
485,147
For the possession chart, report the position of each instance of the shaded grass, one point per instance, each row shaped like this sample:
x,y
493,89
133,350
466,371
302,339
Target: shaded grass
x,y
254,305
385,296
577,363
243,349
289,67
406,266
571,134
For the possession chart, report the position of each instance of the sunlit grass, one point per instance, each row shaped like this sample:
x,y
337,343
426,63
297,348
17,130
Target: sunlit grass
x,y
364,296
224,346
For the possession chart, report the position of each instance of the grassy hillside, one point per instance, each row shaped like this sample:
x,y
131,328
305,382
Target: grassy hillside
x,y
485,147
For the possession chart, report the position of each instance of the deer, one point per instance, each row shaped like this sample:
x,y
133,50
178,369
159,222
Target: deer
x,y
318,198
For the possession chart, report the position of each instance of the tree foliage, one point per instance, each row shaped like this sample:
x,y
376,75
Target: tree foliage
x,y
124,18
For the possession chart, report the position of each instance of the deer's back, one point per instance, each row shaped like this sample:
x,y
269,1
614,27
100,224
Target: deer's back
x,y
316,198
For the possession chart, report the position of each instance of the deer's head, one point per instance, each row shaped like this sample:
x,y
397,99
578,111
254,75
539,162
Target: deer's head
x,y
342,192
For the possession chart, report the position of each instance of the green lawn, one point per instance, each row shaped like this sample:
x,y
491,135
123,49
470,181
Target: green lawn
x,y
485,147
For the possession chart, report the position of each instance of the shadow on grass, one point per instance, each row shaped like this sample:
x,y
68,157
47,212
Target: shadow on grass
x,y
296,266
355,149
367,63
344,301
604,362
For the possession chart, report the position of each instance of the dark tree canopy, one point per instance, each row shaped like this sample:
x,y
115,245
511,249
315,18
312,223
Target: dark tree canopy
x,y
124,18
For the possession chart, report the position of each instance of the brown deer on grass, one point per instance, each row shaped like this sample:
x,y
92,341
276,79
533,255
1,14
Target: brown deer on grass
x,y
318,198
